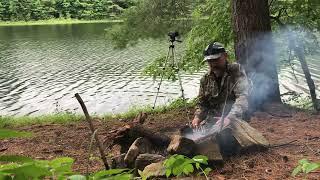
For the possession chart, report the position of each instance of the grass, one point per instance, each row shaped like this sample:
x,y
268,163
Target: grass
x,y
61,118
133,111
65,118
55,22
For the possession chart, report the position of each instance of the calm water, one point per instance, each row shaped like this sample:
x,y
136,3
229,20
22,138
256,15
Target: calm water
x,y
42,67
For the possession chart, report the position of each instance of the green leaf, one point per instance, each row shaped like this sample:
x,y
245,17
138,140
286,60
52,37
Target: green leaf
x,y
201,159
207,170
303,161
169,162
178,166
123,177
15,158
77,177
6,133
187,169
110,172
8,166
311,167
168,172
61,166
197,165
5,176
28,170
296,170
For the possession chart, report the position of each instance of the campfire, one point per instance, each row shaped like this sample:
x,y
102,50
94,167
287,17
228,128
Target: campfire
x,y
141,146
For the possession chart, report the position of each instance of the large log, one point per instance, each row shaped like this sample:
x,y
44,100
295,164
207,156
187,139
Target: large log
x,y
117,162
181,145
139,146
144,160
128,134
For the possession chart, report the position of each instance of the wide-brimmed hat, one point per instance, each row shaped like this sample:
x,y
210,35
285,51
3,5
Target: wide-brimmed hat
x,y
213,51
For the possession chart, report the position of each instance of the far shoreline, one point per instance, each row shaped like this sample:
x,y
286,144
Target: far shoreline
x,y
56,22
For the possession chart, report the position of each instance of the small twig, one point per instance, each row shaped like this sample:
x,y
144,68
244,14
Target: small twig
x,y
291,65
314,152
283,144
312,138
88,118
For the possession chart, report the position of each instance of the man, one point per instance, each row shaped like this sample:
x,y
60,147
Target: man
x,y
223,90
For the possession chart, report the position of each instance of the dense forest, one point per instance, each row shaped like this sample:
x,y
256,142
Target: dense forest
x,y
26,10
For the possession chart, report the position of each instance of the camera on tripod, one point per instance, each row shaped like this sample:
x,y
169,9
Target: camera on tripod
x,y
173,36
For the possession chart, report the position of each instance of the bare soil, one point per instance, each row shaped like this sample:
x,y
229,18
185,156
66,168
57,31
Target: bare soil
x,y
56,140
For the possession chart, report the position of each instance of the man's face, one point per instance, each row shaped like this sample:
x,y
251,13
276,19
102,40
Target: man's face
x,y
218,63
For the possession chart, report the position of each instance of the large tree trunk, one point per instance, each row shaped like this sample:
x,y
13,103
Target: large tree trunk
x,y
255,50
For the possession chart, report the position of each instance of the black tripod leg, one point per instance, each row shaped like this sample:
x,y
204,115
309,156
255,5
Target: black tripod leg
x,y
161,79
181,87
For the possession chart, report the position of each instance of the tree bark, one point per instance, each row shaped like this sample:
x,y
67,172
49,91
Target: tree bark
x,y
300,54
255,49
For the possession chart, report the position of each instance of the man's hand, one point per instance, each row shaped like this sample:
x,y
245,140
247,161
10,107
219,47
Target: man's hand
x,y
226,122
195,122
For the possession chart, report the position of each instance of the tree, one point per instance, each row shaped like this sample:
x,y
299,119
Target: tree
x,y
254,48
25,10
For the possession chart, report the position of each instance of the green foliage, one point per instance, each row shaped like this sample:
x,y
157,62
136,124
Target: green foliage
x,y
6,133
21,167
203,21
163,67
305,167
15,158
200,22
178,165
152,19
26,10
121,174
210,24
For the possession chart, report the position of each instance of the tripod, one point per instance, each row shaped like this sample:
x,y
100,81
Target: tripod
x,y
171,56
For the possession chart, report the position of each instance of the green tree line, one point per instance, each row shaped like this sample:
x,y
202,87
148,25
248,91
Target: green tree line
x,y
26,10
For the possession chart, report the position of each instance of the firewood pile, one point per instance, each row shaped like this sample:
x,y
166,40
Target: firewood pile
x,y
141,146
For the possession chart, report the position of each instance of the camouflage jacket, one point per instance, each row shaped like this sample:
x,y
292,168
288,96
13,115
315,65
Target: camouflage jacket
x,y
233,89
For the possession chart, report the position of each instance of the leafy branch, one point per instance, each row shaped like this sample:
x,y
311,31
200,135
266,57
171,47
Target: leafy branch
x,y
178,165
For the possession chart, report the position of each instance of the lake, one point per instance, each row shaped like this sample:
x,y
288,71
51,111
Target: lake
x,y
42,67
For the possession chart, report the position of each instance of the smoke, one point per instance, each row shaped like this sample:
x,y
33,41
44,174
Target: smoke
x,y
266,55
202,132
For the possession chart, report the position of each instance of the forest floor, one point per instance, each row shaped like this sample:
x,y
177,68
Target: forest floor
x,y
73,139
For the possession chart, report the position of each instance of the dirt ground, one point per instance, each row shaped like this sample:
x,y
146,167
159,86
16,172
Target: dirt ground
x,y
56,140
